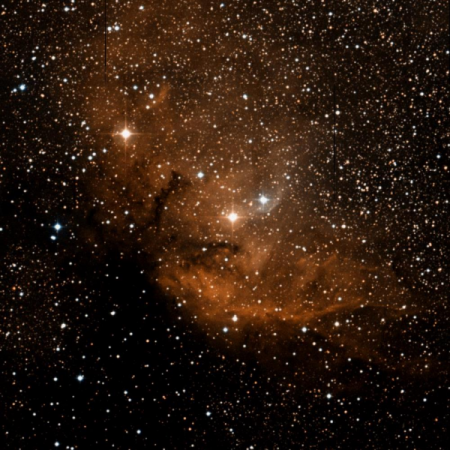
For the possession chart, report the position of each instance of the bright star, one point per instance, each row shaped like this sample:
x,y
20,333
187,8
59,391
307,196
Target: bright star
x,y
126,133
232,217
263,200
57,227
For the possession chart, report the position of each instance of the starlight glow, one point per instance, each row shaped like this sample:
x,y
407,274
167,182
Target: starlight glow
x,y
126,133
263,199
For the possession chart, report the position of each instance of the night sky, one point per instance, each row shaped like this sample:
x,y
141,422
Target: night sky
x,y
224,225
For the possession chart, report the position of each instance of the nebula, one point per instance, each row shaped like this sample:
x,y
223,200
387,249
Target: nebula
x,y
214,131
224,224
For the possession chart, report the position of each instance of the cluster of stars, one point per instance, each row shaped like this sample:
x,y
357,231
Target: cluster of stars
x,y
225,209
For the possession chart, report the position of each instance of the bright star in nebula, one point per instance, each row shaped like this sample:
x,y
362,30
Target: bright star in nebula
x,y
126,133
263,199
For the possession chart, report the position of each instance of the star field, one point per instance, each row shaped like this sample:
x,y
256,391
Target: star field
x,y
225,225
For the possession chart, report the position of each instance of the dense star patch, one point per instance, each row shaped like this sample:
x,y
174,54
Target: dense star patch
x,y
224,224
